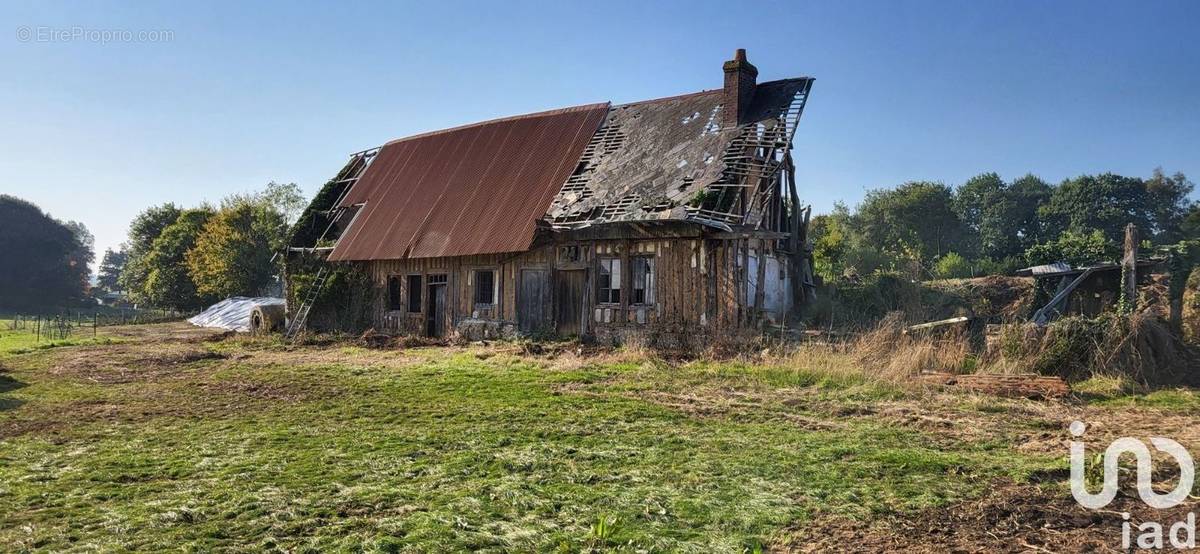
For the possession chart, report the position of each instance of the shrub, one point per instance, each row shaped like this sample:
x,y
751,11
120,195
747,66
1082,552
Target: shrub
x,y
1075,248
952,266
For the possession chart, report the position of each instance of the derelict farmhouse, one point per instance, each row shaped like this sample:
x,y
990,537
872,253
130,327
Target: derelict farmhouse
x,y
670,219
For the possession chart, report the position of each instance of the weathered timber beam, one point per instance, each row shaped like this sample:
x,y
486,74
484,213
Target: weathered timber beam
x,y
756,234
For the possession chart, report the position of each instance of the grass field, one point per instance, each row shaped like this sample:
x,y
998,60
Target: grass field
x,y
24,340
157,439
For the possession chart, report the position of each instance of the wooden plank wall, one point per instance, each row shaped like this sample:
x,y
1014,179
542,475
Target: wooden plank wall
x,y
460,290
699,285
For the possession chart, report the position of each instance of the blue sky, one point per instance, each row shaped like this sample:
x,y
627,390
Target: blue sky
x,y
244,93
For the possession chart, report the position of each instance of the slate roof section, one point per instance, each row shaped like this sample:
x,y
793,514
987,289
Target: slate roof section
x,y
666,153
475,189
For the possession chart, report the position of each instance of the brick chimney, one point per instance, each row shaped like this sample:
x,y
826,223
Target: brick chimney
x,y
740,80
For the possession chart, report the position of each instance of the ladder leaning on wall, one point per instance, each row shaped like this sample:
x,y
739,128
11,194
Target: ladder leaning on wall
x,y
314,290
348,176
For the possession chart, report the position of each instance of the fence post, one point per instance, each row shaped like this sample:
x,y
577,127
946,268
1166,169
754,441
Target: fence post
x,y
1128,302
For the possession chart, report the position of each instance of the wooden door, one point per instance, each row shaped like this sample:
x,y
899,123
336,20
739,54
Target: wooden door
x,y
435,325
568,299
533,301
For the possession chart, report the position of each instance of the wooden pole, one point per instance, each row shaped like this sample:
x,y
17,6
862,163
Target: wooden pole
x,y
1128,303
760,277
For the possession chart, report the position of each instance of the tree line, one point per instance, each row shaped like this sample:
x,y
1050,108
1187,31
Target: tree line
x,y
188,258
41,258
174,257
989,226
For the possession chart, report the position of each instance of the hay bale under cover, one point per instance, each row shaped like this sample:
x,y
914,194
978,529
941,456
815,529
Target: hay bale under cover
x,y
267,318
232,313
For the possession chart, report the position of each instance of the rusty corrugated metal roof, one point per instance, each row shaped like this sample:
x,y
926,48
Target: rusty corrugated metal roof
x,y
476,189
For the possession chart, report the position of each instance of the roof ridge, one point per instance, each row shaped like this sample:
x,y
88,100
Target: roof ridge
x,y
705,91
545,113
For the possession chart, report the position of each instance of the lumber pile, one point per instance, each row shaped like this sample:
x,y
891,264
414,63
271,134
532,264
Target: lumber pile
x,y
1025,385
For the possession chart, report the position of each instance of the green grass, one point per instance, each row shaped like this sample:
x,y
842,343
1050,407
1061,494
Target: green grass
x,y
21,341
1115,392
450,452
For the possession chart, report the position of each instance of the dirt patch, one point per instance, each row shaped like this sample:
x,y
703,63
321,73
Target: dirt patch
x,y
215,399
719,403
128,363
1012,518
179,331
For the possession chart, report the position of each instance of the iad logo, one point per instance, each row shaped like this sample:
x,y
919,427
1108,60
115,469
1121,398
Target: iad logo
x,y
1152,534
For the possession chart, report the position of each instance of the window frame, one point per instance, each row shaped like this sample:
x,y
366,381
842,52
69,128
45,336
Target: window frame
x,y
395,293
494,289
409,290
605,294
647,284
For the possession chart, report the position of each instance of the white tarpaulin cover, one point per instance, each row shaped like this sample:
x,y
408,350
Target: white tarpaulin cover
x,y
232,313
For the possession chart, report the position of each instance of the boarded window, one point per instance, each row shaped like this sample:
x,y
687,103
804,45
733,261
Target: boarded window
x,y
414,293
608,281
485,287
642,285
393,284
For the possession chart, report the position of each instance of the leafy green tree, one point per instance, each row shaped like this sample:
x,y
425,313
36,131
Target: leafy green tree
x,y
1074,247
1190,227
1105,203
85,250
286,198
43,262
1002,218
233,255
975,201
914,221
168,283
830,235
1027,195
111,266
1169,203
143,231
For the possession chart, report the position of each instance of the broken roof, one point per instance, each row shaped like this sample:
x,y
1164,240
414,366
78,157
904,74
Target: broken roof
x,y
650,159
483,188
475,189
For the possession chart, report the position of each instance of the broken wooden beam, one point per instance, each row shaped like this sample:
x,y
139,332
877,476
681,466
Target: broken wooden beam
x,y
938,323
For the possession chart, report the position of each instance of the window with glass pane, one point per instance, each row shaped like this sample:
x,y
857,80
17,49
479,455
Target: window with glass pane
x,y
608,281
485,287
642,270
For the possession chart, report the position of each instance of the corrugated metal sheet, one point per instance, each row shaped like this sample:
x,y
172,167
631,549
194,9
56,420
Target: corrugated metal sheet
x,y
476,189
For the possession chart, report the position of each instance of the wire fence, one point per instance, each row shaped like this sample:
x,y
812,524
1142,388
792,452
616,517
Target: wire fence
x,y
83,324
